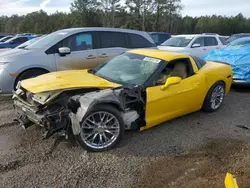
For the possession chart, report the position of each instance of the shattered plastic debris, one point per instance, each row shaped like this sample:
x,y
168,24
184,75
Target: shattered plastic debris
x,y
130,117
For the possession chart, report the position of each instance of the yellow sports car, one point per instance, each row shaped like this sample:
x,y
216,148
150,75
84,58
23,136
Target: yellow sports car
x,y
134,91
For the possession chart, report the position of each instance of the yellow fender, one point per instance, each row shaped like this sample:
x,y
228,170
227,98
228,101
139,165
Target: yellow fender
x,y
230,181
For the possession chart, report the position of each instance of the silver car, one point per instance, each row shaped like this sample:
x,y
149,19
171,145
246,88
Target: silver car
x,y
75,48
195,45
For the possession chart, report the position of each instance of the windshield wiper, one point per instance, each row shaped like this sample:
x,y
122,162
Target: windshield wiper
x,y
23,47
169,45
172,45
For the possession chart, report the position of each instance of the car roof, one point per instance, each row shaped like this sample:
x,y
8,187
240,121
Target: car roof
x,y
242,39
160,54
195,35
241,34
159,33
187,35
99,29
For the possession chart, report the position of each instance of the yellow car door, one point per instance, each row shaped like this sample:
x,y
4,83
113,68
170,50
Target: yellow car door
x,y
176,100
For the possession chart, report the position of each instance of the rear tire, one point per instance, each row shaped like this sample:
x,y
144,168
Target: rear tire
x,y
214,98
101,129
29,74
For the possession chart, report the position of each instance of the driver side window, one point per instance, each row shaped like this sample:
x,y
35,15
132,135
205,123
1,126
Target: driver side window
x,y
200,41
78,42
178,68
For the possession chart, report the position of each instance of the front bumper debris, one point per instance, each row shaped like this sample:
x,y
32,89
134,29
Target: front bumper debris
x,y
30,113
51,121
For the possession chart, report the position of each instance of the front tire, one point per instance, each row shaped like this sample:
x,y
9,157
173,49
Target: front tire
x,y
101,129
214,98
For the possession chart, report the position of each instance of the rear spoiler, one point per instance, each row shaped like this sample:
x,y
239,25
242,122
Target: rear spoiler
x,y
219,62
230,181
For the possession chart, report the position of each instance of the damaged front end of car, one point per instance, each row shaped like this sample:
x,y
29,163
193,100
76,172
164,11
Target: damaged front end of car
x,y
129,100
64,110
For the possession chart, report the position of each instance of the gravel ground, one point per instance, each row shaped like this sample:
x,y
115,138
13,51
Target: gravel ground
x,y
196,150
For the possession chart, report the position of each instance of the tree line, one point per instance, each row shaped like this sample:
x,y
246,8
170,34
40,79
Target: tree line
x,y
146,15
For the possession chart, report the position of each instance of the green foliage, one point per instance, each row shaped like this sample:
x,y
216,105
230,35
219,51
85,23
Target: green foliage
x,y
148,15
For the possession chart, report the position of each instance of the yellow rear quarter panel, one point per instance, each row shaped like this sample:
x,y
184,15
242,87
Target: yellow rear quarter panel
x,y
217,72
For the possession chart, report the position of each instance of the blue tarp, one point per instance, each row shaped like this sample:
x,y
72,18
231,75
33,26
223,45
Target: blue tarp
x,y
237,56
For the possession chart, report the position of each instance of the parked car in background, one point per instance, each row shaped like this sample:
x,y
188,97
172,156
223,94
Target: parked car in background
x,y
15,41
159,37
195,45
38,35
76,48
239,42
237,54
223,39
27,34
4,39
29,42
237,36
23,45
136,90
1,36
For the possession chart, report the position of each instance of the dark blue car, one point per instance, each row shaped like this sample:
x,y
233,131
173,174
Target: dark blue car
x,y
159,37
1,36
15,41
2,40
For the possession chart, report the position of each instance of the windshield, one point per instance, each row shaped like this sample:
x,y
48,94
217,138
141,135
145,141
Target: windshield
x,y
239,42
223,40
29,42
128,68
155,38
46,40
159,38
178,41
11,39
5,39
234,37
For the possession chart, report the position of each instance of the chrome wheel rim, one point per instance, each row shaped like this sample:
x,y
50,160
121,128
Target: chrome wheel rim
x,y
217,97
100,130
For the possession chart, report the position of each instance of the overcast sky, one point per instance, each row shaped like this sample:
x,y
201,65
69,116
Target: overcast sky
x,y
191,7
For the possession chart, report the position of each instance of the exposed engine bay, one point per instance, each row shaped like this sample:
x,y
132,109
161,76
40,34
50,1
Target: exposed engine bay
x,y
63,111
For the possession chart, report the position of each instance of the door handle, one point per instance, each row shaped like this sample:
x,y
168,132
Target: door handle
x,y
103,55
91,57
204,49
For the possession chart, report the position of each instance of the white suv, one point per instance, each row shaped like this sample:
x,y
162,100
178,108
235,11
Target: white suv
x,y
196,45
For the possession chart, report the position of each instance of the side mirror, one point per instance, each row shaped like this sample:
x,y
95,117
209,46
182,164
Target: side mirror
x,y
196,45
63,51
171,81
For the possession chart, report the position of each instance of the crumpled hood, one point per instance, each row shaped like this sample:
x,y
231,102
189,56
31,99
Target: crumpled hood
x,y
65,80
172,49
